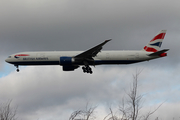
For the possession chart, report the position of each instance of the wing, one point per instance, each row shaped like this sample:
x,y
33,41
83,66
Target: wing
x,y
88,54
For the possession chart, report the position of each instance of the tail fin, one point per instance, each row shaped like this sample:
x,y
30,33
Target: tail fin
x,y
155,44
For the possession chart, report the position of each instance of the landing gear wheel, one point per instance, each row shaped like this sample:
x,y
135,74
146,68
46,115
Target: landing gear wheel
x,y
87,69
84,69
17,68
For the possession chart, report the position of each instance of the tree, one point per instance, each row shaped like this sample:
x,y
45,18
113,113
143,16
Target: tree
x,y
130,108
87,114
7,112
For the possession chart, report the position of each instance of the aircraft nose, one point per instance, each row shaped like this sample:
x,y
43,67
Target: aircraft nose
x,y
7,60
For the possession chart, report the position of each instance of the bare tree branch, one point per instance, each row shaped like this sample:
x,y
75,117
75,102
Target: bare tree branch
x,y
75,114
87,114
7,112
131,109
146,117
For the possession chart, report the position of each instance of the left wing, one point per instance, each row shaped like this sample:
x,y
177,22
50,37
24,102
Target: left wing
x,y
88,54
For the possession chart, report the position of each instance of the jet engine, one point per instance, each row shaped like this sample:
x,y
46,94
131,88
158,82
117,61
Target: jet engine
x,y
67,63
69,67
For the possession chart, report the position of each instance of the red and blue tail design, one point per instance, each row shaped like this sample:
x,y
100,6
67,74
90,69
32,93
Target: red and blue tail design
x,y
155,44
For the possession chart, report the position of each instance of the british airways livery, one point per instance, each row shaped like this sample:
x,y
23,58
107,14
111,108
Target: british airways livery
x,y
71,60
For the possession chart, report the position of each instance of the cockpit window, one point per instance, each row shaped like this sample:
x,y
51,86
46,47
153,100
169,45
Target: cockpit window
x,y
9,56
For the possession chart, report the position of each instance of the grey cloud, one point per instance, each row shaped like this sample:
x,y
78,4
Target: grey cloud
x,y
55,26
37,89
78,25
41,89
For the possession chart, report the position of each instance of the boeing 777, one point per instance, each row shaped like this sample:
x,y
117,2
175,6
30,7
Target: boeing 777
x,y
71,60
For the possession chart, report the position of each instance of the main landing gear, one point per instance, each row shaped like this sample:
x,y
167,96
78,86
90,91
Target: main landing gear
x,y
17,68
87,69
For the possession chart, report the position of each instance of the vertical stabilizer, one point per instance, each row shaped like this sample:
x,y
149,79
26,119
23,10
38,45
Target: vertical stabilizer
x,y
155,44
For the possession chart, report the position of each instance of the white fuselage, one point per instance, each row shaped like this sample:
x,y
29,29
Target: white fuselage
x,y
104,57
71,60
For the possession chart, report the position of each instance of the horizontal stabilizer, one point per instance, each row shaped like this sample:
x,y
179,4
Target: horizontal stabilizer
x,y
158,52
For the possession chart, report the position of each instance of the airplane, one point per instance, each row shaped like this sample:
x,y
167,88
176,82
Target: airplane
x,y
71,60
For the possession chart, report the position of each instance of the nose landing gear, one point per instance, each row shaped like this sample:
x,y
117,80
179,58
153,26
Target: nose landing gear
x,y
17,68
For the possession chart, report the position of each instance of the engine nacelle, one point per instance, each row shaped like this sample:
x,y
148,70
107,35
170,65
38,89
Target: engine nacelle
x,y
66,61
69,67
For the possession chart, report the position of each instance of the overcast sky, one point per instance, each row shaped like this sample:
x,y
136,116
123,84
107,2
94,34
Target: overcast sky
x,y
46,92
